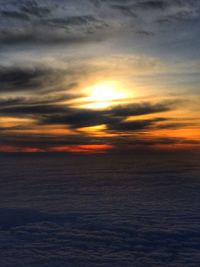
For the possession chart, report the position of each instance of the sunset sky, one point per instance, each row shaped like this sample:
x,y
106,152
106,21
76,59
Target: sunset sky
x,y
99,75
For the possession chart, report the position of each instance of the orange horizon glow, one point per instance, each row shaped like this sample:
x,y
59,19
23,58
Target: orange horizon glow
x,y
100,148
93,148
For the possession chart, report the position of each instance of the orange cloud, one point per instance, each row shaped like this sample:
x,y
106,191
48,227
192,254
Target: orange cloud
x,y
95,148
92,148
31,150
8,149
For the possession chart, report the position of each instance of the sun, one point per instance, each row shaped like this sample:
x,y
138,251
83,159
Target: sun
x,y
104,94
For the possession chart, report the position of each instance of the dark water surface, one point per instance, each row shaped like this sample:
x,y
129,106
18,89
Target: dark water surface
x,y
71,210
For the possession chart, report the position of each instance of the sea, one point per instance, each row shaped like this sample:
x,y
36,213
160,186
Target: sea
x,y
137,209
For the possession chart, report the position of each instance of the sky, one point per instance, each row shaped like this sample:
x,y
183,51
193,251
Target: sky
x,y
95,76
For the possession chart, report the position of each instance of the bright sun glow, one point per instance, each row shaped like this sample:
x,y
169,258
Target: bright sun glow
x,y
104,94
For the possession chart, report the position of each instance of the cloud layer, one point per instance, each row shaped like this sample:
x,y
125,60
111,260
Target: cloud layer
x,y
111,210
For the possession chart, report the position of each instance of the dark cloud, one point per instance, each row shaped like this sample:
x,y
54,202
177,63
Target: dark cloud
x,y
53,33
11,136
125,10
177,9
6,102
155,4
32,110
79,118
14,15
34,101
39,36
26,8
49,112
113,118
72,21
22,78
16,79
124,126
32,22
34,9
139,109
